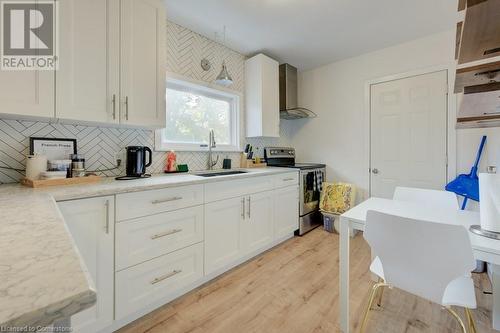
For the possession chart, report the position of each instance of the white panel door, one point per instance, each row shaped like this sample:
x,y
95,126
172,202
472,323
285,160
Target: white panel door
x,y
257,230
88,75
286,211
223,245
143,58
91,223
408,133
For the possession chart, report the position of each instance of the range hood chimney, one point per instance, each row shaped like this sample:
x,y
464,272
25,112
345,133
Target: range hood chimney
x,y
288,95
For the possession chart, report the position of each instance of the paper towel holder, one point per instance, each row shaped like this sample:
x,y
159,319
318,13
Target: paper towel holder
x,y
476,229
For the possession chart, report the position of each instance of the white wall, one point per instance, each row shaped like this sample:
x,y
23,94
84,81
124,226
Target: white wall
x,y
336,92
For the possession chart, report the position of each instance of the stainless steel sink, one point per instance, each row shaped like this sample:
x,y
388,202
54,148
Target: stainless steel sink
x,y
220,173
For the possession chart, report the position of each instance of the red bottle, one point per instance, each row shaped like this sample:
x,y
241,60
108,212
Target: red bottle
x,y
171,165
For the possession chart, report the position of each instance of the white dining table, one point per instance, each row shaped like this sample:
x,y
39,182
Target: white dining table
x,y
485,249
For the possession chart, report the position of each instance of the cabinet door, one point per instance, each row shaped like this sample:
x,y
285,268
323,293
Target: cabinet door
x,y
257,230
91,223
27,93
262,96
143,57
222,233
286,211
88,75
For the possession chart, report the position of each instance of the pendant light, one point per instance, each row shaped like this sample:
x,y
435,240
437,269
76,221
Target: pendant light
x,y
224,78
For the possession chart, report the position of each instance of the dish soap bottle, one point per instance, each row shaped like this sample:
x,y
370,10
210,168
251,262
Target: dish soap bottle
x,y
171,165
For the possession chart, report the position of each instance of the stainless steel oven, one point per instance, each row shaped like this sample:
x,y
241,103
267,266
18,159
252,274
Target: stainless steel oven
x,y
311,177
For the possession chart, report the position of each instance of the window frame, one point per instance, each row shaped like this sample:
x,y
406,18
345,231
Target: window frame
x,y
209,90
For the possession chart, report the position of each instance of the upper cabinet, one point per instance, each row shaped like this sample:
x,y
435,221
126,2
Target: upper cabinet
x,y
262,96
112,56
88,86
27,93
143,62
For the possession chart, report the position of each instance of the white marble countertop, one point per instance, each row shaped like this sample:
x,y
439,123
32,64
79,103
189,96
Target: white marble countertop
x,y
42,278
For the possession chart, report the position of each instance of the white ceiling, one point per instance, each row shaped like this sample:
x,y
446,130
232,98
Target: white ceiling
x,y
310,33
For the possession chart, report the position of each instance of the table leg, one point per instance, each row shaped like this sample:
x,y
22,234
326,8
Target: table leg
x,y
495,282
344,274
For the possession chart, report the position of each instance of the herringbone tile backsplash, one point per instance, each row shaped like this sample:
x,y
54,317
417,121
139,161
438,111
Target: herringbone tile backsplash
x,y
101,146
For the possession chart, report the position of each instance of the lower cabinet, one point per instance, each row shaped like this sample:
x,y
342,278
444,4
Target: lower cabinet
x,y
237,227
163,243
145,238
91,223
286,211
157,280
257,226
223,222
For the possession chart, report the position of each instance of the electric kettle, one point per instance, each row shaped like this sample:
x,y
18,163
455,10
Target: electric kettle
x,y
136,161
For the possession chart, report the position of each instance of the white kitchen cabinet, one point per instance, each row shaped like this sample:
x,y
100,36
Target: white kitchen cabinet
x,y
158,280
112,64
223,223
257,229
237,227
149,237
88,76
27,93
262,97
143,57
237,187
144,203
286,211
91,223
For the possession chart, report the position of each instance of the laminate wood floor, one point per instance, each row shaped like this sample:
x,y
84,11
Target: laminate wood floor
x,y
294,287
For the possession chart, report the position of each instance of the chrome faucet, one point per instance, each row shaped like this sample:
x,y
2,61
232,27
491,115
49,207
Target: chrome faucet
x,y
211,144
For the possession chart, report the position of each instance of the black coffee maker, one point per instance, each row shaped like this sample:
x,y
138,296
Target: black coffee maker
x,y
136,162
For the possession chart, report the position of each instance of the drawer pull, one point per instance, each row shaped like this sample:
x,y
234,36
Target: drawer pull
x,y
155,202
288,179
166,233
166,276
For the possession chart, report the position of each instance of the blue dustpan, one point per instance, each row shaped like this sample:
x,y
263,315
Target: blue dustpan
x,y
467,185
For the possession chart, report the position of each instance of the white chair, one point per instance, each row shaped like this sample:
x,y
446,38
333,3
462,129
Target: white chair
x,y
434,198
427,259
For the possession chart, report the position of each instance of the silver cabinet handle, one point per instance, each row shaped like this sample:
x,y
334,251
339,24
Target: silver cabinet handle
x,y
166,233
166,276
375,171
243,208
113,101
126,107
106,211
288,179
249,204
155,202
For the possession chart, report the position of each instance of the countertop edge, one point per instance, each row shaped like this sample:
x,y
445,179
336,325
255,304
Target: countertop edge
x,y
62,309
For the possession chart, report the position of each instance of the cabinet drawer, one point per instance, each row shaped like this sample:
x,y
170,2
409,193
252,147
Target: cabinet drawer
x,y
235,188
157,280
148,237
132,205
286,179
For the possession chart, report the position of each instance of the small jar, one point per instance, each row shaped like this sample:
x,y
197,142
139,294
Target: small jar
x,y
77,165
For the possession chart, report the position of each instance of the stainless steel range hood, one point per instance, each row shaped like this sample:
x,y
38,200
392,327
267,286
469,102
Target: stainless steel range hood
x,y
288,95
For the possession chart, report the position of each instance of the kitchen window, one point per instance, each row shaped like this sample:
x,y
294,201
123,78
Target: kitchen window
x,y
192,111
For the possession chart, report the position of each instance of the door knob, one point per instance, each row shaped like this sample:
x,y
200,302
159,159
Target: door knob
x,y
375,171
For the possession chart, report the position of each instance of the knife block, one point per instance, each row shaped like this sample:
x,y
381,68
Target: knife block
x,y
246,163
